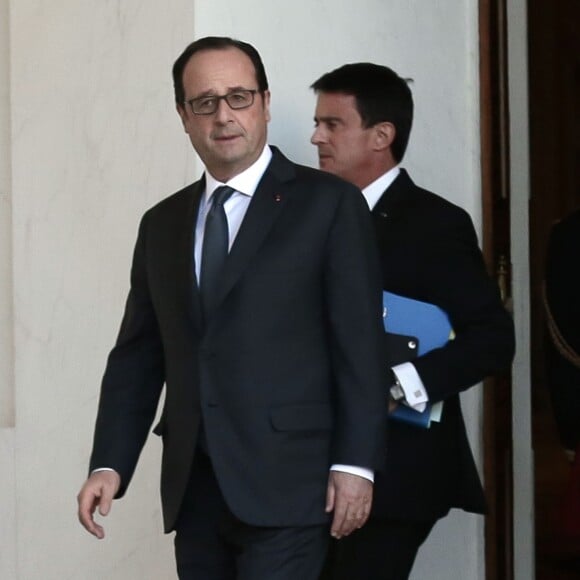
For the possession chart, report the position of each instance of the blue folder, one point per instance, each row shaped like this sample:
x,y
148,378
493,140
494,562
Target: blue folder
x,y
431,326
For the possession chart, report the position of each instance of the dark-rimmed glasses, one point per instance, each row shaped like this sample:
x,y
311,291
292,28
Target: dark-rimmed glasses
x,y
208,105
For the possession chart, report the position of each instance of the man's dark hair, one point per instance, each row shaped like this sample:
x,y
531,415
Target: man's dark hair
x,y
216,43
381,95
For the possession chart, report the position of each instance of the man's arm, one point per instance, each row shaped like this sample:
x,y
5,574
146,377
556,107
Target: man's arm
x,y
129,396
353,293
133,378
457,281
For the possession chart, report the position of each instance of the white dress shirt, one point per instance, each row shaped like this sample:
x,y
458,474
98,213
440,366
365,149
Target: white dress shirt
x,y
245,185
406,373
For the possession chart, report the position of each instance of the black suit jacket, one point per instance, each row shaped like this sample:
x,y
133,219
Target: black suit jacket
x,y
563,278
429,252
287,371
562,281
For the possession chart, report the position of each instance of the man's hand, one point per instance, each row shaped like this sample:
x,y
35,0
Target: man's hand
x,y
99,490
350,496
392,405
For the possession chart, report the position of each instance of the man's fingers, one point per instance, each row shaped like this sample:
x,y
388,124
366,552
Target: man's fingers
x,y
352,503
348,518
98,491
87,505
338,521
106,501
330,496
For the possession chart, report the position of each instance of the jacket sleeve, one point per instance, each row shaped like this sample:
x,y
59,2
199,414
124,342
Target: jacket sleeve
x,y
458,283
354,306
133,378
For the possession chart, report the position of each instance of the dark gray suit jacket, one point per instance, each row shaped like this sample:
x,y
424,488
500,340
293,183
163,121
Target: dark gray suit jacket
x,y
287,373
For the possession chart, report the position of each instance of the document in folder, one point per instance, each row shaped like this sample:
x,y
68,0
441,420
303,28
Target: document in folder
x,y
431,327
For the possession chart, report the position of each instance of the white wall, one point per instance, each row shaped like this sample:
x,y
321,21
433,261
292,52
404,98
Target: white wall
x,y
94,141
7,481
6,344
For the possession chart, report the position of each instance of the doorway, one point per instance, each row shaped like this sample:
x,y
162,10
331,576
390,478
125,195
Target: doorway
x,y
548,104
554,102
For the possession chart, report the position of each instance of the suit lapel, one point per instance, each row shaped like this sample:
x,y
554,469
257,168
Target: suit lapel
x,y
395,198
188,264
266,205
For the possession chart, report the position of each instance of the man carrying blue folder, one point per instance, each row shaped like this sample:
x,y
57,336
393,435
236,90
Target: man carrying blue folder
x,y
429,254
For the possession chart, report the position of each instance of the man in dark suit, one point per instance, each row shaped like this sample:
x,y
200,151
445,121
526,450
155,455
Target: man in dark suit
x,y
429,252
562,301
272,362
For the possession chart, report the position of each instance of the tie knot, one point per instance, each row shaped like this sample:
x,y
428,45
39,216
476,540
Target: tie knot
x,y
221,195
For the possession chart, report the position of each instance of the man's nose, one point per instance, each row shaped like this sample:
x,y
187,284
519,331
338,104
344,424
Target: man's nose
x,y
317,136
223,112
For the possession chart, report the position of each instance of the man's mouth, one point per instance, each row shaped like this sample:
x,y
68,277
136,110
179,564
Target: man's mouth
x,y
226,137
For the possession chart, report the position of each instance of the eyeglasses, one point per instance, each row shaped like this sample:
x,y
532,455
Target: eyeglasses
x,y
238,99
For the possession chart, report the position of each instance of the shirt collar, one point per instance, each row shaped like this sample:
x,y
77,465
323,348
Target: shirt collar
x,y
373,192
245,182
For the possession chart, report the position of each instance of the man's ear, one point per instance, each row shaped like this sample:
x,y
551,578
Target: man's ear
x,y
182,114
266,98
384,135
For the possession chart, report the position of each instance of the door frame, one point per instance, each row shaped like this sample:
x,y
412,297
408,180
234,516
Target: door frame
x,y
509,65
523,472
496,242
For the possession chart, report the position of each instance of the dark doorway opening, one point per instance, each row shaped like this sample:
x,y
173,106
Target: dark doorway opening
x,y
554,88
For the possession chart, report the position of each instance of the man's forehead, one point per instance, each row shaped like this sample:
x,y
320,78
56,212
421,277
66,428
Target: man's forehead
x,y
224,56
229,65
336,97
335,106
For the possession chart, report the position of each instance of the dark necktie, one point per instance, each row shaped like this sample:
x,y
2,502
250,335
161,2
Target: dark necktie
x,y
215,247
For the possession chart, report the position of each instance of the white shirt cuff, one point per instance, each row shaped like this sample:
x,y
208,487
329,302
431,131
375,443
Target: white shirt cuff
x,y
415,393
354,470
102,469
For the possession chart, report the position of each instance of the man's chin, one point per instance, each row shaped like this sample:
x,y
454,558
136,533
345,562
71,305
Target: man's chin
x,y
325,164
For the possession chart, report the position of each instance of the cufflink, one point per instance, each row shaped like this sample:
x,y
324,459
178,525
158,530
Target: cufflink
x,y
396,390
397,393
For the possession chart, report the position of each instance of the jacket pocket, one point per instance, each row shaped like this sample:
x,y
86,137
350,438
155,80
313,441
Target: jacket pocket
x,y
305,417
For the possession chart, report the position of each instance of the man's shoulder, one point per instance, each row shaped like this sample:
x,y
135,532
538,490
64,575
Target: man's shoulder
x,y
315,188
434,209
323,180
437,203
304,174
177,201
